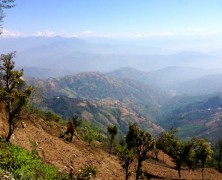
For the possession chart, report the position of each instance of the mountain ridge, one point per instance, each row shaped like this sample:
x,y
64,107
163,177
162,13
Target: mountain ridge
x,y
80,55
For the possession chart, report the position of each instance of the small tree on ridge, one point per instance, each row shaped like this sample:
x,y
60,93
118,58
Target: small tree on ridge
x,y
13,92
141,143
112,130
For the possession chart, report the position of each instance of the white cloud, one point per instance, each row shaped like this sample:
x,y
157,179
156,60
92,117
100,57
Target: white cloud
x,y
89,34
148,34
7,33
126,35
46,33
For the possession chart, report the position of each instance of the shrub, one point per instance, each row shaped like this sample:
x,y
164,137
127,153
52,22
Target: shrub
x,y
25,165
86,173
88,133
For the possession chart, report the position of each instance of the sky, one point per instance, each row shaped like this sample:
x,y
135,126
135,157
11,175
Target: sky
x,y
117,19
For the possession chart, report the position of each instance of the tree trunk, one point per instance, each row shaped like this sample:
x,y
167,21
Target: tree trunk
x,y
126,172
178,165
10,131
156,154
202,173
139,169
179,173
111,145
219,161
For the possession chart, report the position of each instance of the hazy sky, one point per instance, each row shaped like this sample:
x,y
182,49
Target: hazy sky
x,y
135,19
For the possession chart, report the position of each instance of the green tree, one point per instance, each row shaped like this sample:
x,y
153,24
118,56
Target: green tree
x,y
14,92
189,156
89,133
218,154
140,142
76,121
4,4
202,151
112,130
178,155
167,141
126,158
170,144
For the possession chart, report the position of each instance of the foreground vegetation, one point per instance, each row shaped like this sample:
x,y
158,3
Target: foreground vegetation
x,y
26,165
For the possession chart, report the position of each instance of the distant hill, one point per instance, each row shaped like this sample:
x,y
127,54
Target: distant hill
x,y
129,73
202,117
204,85
175,80
141,98
169,76
44,73
101,113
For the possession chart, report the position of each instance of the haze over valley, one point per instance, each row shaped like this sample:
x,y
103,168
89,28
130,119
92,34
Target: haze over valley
x,y
73,55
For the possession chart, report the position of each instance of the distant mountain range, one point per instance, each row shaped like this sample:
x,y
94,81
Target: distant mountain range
x,y
172,80
204,85
75,55
176,80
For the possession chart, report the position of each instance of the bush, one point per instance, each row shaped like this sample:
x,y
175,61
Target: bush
x,y
24,165
88,133
47,115
86,173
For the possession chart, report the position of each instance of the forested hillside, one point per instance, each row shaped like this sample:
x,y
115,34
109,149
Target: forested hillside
x,y
141,98
100,113
201,118
128,95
